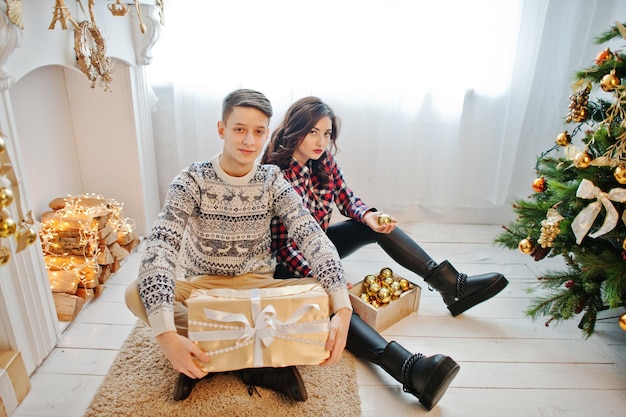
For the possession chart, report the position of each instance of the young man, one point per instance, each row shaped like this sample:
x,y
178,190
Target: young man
x,y
214,228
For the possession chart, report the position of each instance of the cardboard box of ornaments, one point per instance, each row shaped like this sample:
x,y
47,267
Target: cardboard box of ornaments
x,y
380,315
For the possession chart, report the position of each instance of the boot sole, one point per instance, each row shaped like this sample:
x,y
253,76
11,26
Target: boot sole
x,y
445,372
301,388
465,304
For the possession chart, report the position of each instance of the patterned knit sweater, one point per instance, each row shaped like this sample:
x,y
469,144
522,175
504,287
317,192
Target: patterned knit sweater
x,y
215,224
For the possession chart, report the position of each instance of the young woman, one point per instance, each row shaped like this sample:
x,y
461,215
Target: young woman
x,y
303,146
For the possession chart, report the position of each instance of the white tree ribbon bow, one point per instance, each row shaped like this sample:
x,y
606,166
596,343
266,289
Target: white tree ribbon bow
x,y
263,329
585,219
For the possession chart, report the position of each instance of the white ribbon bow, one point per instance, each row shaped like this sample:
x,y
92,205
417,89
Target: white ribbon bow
x,y
584,220
264,328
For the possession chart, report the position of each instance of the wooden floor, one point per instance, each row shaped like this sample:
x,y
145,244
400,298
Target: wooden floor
x,y
510,365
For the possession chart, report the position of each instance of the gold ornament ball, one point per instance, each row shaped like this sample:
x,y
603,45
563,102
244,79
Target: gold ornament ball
x,y
384,295
5,255
563,139
6,197
387,281
369,280
539,185
7,227
582,160
3,143
404,284
30,233
622,322
396,289
386,272
609,82
620,174
363,296
373,289
384,219
526,246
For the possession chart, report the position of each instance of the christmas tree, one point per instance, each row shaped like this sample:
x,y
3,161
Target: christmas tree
x,y
577,210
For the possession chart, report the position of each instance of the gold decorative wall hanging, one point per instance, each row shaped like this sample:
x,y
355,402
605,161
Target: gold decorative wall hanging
x,y
62,15
118,9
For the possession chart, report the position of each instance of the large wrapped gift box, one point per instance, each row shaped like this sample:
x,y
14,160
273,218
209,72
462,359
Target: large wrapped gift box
x,y
14,381
255,328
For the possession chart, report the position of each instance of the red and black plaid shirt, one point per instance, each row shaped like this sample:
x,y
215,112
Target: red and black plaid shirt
x,y
318,199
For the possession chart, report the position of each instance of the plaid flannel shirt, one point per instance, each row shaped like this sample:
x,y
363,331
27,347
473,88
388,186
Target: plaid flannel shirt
x,y
318,199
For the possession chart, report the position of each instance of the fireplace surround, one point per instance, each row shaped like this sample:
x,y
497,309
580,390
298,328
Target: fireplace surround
x,y
67,138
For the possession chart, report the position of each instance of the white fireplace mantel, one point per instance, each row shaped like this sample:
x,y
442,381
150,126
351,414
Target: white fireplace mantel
x,y
28,57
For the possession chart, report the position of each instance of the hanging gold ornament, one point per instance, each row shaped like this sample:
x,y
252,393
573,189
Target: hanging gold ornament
x,y
5,255
624,244
6,197
563,138
622,322
29,235
540,185
3,143
582,160
526,246
550,228
7,227
609,82
620,174
578,110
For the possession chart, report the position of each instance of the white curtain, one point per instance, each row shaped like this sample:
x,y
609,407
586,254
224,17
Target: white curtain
x,y
444,105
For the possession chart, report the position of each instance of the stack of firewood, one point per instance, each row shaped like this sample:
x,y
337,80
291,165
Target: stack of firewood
x,y
84,240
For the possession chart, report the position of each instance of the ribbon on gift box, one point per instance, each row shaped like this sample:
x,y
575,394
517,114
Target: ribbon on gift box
x,y
265,327
584,220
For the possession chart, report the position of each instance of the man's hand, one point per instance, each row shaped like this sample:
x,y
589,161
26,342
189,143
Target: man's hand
x,y
181,352
336,342
371,220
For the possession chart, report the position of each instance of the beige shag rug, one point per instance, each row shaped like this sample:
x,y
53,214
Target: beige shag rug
x,y
141,382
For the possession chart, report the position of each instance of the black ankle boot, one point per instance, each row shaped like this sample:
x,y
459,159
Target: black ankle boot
x,y
461,292
427,378
184,386
286,381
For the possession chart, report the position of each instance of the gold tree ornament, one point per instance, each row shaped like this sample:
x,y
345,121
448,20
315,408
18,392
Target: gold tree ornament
x,y
6,196
620,174
550,228
539,185
563,138
609,82
603,56
622,322
583,160
526,246
8,227
578,110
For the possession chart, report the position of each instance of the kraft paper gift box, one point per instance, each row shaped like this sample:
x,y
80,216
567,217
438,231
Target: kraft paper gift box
x,y
256,328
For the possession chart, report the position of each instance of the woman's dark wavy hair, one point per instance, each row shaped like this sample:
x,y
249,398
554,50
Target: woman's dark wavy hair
x,y
300,119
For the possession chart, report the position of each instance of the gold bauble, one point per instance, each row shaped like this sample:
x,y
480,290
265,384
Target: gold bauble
x,y
609,82
6,196
526,246
385,272
396,289
384,219
620,174
622,322
539,185
30,235
384,295
373,289
368,280
3,143
363,296
563,139
404,284
582,160
624,244
5,255
387,281
7,227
